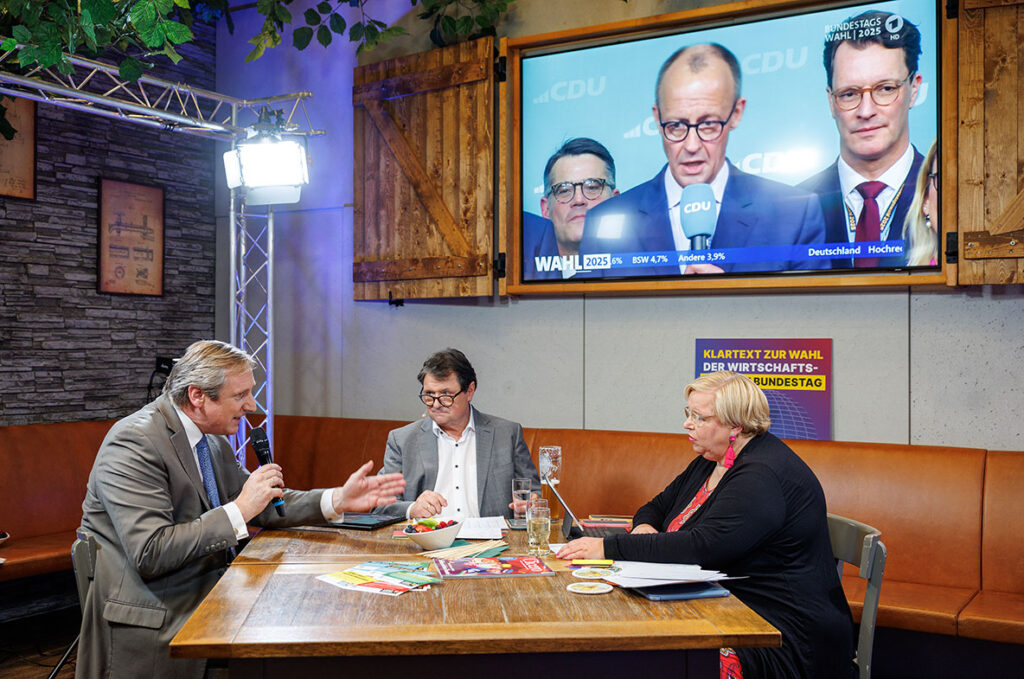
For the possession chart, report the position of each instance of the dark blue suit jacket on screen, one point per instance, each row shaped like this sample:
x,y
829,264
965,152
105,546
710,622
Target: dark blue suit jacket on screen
x,y
826,185
755,211
538,241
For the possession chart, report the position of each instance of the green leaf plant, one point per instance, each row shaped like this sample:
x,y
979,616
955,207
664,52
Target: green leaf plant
x,y
135,33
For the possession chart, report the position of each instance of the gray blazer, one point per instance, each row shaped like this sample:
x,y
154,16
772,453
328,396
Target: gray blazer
x,y
501,455
161,548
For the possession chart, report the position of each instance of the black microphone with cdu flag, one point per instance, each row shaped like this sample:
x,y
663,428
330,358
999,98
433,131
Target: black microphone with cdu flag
x,y
262,447
698,214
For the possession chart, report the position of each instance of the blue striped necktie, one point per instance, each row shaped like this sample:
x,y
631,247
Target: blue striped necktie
x,y
206,469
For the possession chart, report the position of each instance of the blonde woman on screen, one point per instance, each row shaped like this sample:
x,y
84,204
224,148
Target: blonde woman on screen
x,y
921,228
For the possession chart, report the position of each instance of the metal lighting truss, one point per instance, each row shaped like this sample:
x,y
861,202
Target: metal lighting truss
x,y
97,88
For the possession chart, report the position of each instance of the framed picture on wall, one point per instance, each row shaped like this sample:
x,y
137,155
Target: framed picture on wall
x,y
131,238
18,156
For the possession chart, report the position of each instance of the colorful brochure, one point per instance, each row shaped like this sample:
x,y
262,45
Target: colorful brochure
x,y
383,577
492,567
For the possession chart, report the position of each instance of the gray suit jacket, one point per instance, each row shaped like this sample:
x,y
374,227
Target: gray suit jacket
x,y
501,455
161,548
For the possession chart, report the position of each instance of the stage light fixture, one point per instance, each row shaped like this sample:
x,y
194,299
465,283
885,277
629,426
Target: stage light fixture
x,y
271,167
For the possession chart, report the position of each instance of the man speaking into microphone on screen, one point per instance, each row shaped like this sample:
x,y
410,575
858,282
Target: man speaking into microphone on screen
x,y
167,504
699,199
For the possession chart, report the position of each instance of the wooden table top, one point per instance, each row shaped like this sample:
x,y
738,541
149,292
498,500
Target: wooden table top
x,y
264,608
330,545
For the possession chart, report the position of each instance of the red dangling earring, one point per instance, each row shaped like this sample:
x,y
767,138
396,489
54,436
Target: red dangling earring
x,y
730,454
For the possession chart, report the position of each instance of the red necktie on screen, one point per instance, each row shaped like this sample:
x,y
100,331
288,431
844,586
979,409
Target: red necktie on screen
x,y
869,227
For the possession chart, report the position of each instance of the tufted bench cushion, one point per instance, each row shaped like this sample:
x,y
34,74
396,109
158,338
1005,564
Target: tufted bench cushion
x,y
997,612
927,502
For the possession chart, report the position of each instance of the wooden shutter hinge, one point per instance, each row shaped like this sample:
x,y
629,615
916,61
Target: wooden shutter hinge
x,y
952,247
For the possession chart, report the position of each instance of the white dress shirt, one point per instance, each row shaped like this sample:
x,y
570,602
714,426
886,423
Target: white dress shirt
x,y
234,513
893,178
456,472
194,435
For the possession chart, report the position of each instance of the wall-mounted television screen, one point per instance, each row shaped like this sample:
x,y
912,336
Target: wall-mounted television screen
x,y
783,145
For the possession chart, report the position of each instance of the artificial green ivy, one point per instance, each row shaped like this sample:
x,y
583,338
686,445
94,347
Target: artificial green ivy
x,y
134,33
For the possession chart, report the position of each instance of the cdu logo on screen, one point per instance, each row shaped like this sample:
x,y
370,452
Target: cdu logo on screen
x,y
698,214
697,199
567,90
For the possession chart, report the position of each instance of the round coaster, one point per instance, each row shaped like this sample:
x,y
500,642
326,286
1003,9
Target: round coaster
x,y
589,587
591,573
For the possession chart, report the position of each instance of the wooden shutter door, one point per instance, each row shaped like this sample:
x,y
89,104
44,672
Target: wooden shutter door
x,y
424,174
990,161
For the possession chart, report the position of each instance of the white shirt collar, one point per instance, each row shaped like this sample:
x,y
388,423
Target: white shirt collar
x,y
893,177
191,428
471,426
674,192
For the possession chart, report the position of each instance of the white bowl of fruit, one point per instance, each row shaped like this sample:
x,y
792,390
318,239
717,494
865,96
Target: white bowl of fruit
x,y
432,533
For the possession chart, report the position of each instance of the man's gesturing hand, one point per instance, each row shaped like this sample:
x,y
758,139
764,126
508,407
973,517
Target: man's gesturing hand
x,y
362,492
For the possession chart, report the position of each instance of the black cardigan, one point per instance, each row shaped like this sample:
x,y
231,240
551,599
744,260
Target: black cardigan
x,y
765,520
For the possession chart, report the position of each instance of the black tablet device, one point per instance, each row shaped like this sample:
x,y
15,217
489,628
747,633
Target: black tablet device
x,y
364,521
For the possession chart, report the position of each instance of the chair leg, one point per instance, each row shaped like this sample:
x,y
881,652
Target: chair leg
x,y
64,659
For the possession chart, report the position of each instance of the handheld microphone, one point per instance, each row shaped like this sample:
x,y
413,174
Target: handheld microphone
x,y
262,447
698,215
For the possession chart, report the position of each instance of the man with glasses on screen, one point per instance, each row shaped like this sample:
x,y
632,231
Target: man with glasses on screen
x,y
698,103
457,462
872,84
579,175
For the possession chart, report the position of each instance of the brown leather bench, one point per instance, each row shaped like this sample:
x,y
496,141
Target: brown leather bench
x,y
321,452
948,516
997,612
46,468
612,472
927,501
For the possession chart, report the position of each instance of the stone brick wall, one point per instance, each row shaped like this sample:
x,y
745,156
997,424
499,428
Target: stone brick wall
x,y
68,352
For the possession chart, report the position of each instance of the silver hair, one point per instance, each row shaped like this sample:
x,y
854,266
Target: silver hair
x,y
206,365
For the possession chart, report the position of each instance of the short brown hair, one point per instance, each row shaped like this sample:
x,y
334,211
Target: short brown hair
x,y
443,363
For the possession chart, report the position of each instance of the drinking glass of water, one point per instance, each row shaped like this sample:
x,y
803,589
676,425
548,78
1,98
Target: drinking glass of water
x,y
521,490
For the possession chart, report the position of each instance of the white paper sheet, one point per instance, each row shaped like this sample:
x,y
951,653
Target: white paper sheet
x,y
675,572
482,528
621,581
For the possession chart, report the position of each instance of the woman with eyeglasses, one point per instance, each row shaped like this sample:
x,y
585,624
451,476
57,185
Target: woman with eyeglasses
x,y
748,506
921,227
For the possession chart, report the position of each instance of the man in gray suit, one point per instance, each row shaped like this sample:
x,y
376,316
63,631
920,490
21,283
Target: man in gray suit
x,y
167,502
459,462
